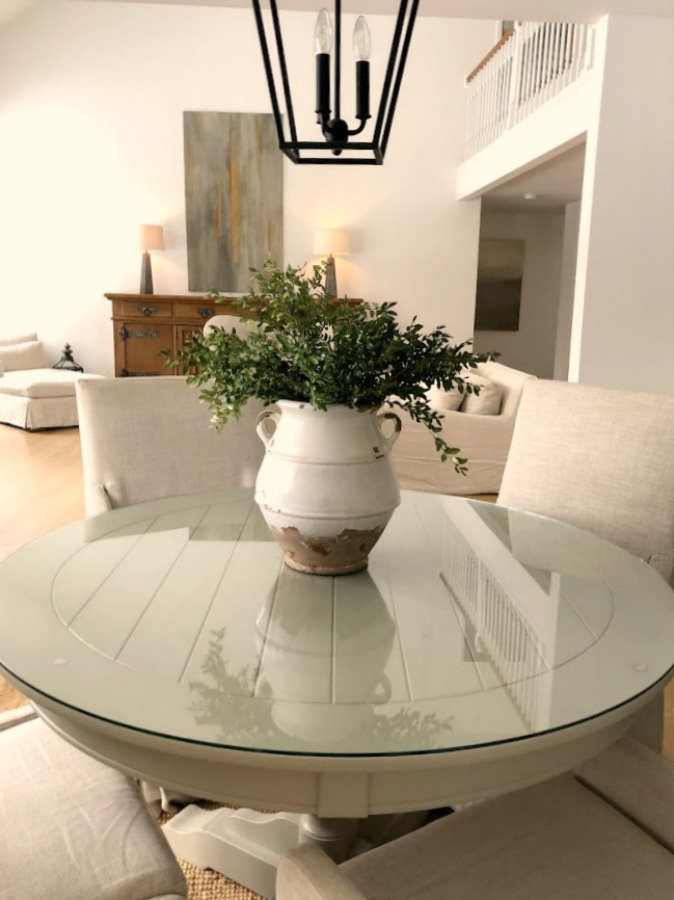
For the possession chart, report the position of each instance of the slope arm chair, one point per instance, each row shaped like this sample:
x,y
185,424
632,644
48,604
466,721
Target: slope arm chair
x,y
599,459
605,833
147,438
72,828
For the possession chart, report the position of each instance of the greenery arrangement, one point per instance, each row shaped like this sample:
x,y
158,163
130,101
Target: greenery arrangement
x,y
309,347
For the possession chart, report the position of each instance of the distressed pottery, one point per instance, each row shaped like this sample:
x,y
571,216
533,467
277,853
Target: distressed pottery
x,y
327,485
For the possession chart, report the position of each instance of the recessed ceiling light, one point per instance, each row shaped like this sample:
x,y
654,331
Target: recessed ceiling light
x,y
530,196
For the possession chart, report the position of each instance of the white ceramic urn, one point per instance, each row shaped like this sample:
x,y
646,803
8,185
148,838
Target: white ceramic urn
x,y
327,485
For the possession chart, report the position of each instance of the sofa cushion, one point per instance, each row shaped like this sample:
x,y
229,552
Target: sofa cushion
x,y
487,402
18,339
441,399
40,383
27,355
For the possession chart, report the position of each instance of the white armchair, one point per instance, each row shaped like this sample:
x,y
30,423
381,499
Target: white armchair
x,y
483,439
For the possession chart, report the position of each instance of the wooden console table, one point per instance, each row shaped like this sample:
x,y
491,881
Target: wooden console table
x,y
146,324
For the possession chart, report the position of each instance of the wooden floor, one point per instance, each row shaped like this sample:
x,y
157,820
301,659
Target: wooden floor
x,y
41,489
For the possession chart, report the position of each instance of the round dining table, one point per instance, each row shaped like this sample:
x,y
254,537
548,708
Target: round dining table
x,y
483,649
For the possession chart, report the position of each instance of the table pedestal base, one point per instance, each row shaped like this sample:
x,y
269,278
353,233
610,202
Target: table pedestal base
x,y
247,846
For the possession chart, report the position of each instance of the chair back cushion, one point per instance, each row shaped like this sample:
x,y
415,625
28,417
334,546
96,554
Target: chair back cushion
x,y
599,459
146,438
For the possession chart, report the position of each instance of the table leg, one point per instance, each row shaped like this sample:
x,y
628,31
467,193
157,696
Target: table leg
x,y
247,845
243,844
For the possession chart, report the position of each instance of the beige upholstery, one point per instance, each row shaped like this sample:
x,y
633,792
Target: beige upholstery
x,y
600,459
558,841
483,439
144,438
72,828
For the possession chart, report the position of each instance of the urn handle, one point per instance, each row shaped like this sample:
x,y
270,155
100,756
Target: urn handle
x,y
263,431
389,440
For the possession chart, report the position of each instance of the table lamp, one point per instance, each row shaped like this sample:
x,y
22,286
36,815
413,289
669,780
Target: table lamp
x,y
328,243
151,237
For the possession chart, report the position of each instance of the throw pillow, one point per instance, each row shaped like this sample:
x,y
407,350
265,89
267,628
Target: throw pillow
x,y
19,339
440,399
487,402
28,355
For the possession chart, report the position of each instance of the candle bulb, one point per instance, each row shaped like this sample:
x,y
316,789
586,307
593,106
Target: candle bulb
x,y
362,44
323,46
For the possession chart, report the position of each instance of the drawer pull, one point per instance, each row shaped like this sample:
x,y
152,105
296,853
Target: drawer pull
x,y
147,310
205,311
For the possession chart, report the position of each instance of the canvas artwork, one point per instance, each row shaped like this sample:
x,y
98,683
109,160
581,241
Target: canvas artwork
x,y
499,285
233,198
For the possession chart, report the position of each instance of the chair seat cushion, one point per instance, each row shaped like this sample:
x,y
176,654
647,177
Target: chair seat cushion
x,y
41,383
556,840
73,828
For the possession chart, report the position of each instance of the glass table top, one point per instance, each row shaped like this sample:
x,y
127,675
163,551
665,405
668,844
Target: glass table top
x,y
472,625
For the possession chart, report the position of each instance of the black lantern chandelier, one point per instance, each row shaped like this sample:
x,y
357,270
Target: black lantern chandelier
x,y
337,146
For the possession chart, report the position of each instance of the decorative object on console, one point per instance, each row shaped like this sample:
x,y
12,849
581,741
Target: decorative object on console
x,y
67,361
337,147
233,198
327,486
151,238
329,242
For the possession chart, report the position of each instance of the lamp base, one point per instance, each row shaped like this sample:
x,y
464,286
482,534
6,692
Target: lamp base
x,y
146,274
330,277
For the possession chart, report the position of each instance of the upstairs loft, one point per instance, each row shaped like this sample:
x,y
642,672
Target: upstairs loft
x,y
531,64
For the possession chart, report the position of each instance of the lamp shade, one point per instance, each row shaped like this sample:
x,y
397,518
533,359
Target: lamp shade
x,y
151,237
331,241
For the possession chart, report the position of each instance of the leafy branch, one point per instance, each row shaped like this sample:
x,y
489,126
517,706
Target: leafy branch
x,y
309,347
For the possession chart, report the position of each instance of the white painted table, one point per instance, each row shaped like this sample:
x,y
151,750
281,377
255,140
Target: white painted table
x,y
484,649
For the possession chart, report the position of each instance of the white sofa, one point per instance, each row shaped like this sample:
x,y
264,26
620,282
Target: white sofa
x,y
483,439
32,394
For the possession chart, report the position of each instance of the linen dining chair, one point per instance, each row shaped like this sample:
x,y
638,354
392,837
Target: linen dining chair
x,y
605,833
146,438
72,828
599,459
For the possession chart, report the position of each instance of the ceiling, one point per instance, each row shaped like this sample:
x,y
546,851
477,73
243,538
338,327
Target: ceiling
x,y
554,183
526,10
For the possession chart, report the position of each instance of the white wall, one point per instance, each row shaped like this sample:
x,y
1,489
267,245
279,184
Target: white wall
x,y
91,103
623,311
566,291
532,347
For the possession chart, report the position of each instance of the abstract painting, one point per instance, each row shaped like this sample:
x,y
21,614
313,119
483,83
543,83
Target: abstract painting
x,y
500,267
233,198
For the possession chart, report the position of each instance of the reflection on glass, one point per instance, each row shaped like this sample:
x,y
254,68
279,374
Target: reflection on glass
x,y
321,684
512,619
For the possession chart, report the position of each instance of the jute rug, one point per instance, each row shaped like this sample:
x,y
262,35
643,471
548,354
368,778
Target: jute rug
x,y
202,883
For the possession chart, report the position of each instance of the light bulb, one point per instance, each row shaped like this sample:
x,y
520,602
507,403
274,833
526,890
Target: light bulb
x,y
362,42
323,32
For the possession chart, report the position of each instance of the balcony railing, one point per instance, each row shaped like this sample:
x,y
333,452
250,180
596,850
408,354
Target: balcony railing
x,y
533,62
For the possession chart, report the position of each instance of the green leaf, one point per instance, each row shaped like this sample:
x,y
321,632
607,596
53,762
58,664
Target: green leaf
x,y
309,347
